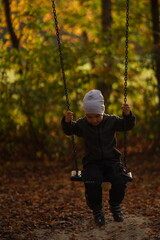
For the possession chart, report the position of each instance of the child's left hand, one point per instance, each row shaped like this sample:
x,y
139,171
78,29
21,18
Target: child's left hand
x,y
126,109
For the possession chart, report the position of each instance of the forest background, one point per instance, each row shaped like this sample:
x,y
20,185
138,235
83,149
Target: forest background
x,y
37,198
93,45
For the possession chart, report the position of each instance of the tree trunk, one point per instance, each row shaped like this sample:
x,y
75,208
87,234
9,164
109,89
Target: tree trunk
x,y
156,59
106,15
105,84
14,38
156,39
86,46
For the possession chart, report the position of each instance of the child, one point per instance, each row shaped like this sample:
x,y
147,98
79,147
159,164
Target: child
x,y
101,158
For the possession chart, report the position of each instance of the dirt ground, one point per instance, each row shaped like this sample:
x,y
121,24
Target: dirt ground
x,y
133,228
39,202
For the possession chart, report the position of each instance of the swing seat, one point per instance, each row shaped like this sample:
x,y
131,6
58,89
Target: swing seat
x,y
126,173
76,175
128,176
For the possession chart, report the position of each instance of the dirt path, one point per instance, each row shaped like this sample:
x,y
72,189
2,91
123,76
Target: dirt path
x,y
133,228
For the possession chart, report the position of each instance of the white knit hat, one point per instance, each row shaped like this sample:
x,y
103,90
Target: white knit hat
x,y
93,102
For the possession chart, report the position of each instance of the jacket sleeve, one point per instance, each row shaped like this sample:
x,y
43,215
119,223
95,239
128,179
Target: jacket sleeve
x,y
125,123
71,128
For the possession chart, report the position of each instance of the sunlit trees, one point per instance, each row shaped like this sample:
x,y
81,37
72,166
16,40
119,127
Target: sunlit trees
x,y
93,44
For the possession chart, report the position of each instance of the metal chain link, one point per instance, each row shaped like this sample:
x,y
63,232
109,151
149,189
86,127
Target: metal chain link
x,y
126,52
60,53
126,78
74,154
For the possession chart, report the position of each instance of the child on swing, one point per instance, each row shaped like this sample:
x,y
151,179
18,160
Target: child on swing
x,y
101,159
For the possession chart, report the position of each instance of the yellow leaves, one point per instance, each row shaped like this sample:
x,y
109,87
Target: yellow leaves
x,y
47,17
74,7
29,18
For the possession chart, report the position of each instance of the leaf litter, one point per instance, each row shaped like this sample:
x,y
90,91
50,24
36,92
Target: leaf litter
x,y
40,202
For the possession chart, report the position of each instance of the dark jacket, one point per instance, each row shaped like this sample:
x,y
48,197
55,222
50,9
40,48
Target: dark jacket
x,y
100,141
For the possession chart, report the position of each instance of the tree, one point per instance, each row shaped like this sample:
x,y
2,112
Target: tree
x,y
14,38
156,40
93,45
156,59
105,84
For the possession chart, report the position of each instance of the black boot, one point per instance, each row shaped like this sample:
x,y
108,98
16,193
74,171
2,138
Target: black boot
x,y
117,214
99,218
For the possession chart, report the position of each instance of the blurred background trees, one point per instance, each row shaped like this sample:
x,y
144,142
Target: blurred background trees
x,y
93,36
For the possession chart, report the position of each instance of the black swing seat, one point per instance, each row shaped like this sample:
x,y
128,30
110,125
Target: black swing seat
x,y
76,175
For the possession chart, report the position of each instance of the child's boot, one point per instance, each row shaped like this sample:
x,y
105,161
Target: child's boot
x,y
117,213
99,218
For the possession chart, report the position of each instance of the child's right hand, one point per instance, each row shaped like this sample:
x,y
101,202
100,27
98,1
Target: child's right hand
x,y
69,116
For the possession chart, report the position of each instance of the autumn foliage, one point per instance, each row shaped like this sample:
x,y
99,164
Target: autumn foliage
x,y
36,192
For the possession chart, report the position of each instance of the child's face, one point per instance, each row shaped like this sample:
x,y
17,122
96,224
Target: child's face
x,y
94,119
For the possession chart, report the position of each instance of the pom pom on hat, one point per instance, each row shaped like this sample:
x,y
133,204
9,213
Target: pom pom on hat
x,y
93,102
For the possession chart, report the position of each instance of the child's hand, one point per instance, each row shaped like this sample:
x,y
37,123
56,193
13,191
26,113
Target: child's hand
x,y
126,109
69,116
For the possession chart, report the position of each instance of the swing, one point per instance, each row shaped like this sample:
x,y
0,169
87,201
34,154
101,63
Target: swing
x,y
76,174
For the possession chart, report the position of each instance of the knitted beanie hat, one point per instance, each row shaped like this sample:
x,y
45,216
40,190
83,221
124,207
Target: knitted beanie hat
x,y
93,102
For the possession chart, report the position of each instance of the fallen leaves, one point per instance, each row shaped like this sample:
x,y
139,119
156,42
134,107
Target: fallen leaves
x,y
39,197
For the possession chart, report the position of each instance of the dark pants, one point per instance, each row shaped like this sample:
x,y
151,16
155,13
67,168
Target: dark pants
x,y
94,175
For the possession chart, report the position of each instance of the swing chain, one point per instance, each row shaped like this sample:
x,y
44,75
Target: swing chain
x,y
74,154
60,53
126,52
126,78
64,77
